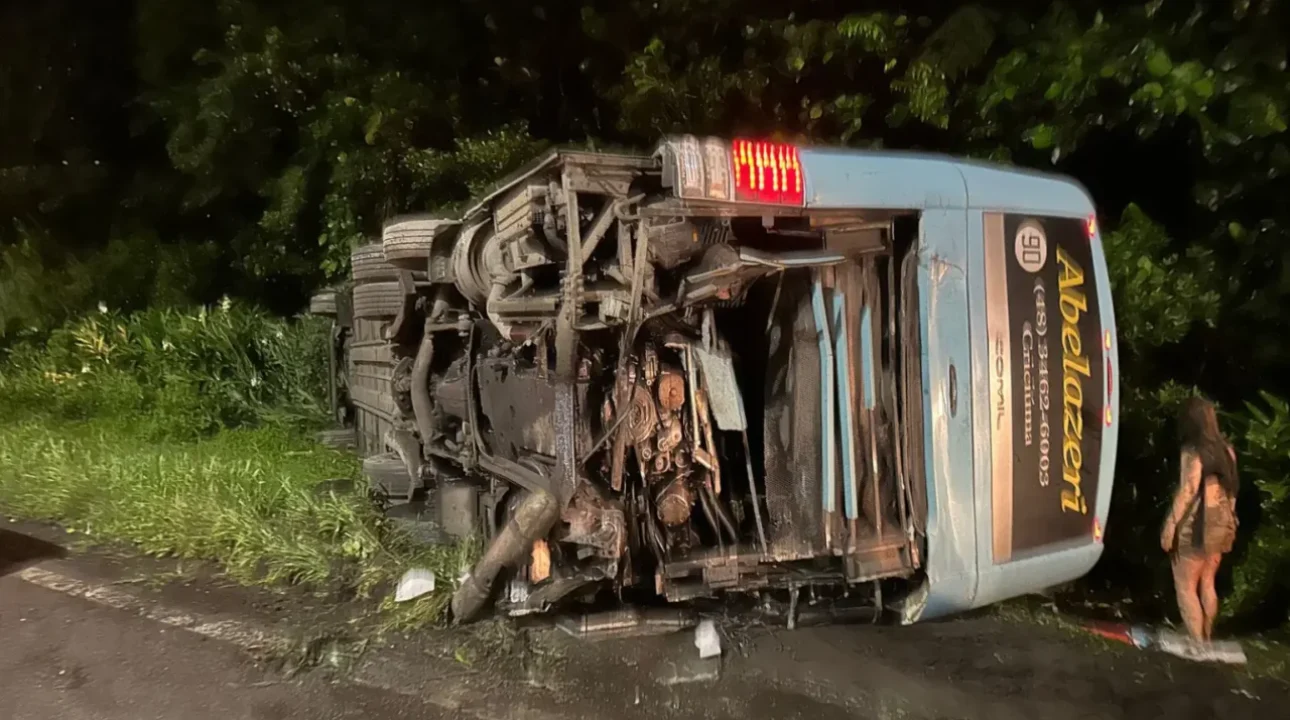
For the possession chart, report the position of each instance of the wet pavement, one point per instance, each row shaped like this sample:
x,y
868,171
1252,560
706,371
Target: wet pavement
x,y
69,657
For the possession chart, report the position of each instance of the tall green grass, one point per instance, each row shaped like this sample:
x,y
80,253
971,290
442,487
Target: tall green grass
x,y
185,433
173,373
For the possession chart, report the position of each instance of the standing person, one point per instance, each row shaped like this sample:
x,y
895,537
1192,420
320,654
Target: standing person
x,y
1201,526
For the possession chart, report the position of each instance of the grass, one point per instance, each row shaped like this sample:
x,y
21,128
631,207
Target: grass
x,y
187,434
255,501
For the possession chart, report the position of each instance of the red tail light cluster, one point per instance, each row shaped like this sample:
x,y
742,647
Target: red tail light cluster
x,y
767,172
746,171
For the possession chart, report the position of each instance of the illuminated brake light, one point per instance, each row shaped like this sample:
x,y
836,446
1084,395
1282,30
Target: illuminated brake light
x,y
767,172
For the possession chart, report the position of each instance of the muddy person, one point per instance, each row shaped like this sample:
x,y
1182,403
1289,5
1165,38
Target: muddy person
x,y
1201,526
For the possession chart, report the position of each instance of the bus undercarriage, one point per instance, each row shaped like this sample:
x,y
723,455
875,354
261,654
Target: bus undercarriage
x,y
625,393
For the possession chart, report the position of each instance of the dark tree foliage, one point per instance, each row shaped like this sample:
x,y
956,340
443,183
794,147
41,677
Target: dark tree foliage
x,y
156,152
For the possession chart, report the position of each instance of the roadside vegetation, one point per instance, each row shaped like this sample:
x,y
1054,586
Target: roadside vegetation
x,y
187,434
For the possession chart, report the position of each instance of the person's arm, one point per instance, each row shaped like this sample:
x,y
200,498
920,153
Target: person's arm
x,y
1188,486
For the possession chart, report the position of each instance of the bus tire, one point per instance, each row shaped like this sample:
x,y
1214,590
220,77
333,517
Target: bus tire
x,y
367,264
323,303
378,300
409,240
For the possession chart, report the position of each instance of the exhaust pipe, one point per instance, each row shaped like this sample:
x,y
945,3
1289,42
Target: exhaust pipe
x,y
534,517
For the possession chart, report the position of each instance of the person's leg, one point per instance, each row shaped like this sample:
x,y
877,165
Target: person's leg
x,y
1209,595
1187,571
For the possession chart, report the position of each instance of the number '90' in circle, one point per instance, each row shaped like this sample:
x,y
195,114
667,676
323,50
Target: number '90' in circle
x,y
1031,246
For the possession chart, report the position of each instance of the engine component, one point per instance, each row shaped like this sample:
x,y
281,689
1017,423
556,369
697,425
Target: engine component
x,y
519,407
674,242
532,519
478,261
650,364
670,434
671,391
523,251
596,523
642,418
675,502
367,264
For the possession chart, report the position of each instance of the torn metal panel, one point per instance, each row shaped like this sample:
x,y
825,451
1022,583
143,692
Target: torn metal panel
x,y
718,370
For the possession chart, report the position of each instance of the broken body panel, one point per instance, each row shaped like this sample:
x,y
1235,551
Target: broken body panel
x,y
748,367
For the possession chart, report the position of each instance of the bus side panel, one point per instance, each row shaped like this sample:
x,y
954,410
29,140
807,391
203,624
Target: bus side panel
x,y
1002,577
947,409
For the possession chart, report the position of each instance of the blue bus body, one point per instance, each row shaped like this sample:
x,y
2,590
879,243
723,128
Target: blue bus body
x,y
953,198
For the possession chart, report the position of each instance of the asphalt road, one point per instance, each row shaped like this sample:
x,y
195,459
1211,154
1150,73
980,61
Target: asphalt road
x,y
68,658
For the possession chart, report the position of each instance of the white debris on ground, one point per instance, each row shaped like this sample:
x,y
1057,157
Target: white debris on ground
x,y
707,640
414,583
1219,651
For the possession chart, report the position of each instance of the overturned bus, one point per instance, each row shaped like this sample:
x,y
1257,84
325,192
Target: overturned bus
x,y
743,368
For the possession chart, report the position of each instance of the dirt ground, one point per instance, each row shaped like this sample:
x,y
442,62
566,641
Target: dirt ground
x,y
994,665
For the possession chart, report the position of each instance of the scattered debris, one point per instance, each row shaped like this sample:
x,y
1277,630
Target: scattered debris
x,y
626,623
1119,632
414,583
1221,651
1244,693
707,640
1174,643
690,670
